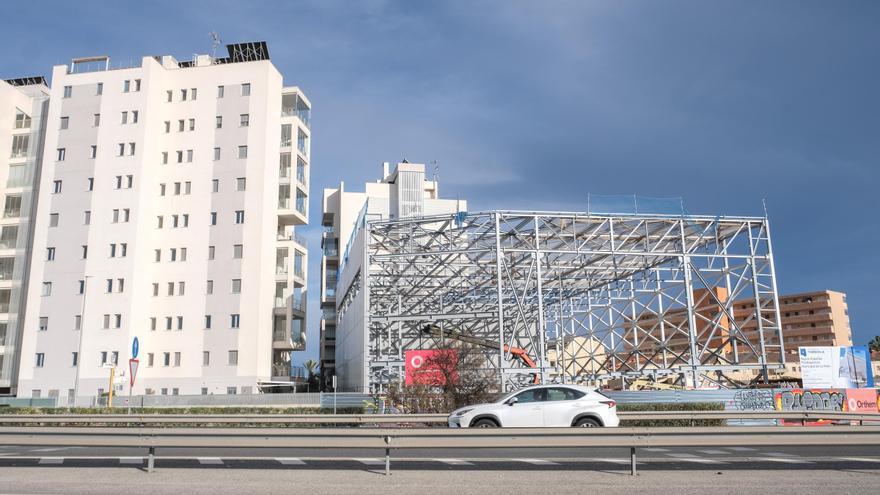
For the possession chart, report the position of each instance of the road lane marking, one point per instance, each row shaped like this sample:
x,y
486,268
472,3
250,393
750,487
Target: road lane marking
x,y
615,461
741,449
455,462
681,456
713,452
290,461
860,459
537,462
371,461
655,449
51,460
210,460
778,454
131,460
49,449
784,459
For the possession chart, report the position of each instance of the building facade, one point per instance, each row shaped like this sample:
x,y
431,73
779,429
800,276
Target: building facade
x,y
402,192
23,106
167,211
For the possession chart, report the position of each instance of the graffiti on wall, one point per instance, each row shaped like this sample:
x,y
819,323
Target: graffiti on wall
x,y
811,400
753,400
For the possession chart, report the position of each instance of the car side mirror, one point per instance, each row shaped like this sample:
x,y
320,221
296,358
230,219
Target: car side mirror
x,y
511,401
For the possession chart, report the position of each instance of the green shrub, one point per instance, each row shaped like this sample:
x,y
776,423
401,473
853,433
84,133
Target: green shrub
x,y
678,406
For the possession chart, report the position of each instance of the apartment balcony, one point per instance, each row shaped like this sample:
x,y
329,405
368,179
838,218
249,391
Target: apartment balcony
x,y
294,105
282,340
280,372
293,237
292,211
298,306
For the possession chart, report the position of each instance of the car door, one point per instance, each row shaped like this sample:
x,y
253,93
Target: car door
x,y
561,406
527,411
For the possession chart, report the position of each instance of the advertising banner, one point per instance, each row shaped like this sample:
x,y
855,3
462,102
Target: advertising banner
x,y
862,400
836,367
429,367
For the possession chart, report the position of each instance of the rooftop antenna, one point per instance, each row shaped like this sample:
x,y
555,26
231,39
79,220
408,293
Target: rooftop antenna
x,y
436,170
215,42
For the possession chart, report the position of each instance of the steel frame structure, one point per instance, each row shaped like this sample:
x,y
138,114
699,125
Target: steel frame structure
x,y
590,297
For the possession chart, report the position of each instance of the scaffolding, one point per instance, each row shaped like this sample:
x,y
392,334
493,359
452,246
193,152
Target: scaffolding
x,y
591,298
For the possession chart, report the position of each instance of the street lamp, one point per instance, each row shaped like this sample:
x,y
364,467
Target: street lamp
x,y
82,327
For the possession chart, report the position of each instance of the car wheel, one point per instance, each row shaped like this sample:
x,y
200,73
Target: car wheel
x,y
485,423
587,423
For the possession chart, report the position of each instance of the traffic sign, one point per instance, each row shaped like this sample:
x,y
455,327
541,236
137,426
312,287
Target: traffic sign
x,y
133,369
135,346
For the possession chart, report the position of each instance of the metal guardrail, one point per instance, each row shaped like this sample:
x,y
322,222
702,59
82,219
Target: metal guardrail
x,y
434,438
369,419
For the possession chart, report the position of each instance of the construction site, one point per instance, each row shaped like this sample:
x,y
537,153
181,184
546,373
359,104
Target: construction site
x,y
622,301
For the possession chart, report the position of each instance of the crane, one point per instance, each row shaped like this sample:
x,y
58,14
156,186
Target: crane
x,y
517,352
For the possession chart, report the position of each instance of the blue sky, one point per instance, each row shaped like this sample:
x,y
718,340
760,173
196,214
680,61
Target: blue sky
x,y
532,105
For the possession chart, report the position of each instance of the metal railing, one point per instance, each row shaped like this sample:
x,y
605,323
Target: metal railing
x,y
435,438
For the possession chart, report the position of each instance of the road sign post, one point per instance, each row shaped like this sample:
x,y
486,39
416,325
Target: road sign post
x,y
334,394
132,368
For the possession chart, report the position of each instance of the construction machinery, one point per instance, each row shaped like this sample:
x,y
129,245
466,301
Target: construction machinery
x,y
453,334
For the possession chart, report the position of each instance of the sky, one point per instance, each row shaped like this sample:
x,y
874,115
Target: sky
x,y
533,105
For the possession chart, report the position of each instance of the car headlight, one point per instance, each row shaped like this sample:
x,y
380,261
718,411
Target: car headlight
x,y
462,412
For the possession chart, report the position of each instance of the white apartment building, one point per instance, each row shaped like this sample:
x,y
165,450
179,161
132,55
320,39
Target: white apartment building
x,y
168,203
402,192
23,105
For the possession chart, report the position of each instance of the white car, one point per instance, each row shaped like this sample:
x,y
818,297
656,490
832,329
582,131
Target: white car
x,y
541,405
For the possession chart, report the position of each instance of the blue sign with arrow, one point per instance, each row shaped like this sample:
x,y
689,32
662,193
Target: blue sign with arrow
x,y
135,346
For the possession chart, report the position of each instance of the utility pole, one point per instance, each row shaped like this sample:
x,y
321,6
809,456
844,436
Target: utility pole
x,y
82,329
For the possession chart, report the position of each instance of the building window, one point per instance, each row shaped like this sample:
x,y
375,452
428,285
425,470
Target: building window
x,y
246,89
124,117
210,287
168,96
97,120
189,156
53,219
182,95
74,359
150,359
232,359
192,124
134,116
216,154
210,252
60,154
219,122
99,88
239,216
50,254
40,360
240,184
208,322
131,149
44,323
242,152
194,93
234,320
206,361
180,124
68,91
215,185
176,359
213,218
77,322
126,86
220,91
237,250
65,122
244,120
56,186
153,319
93,151
47,289
236,287
85,252
166,358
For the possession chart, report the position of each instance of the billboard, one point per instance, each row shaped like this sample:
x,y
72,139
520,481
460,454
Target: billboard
x,y
430,367
836,367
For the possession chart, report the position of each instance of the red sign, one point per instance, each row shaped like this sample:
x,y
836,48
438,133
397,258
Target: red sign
x,y
429,367
133,369
862,400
